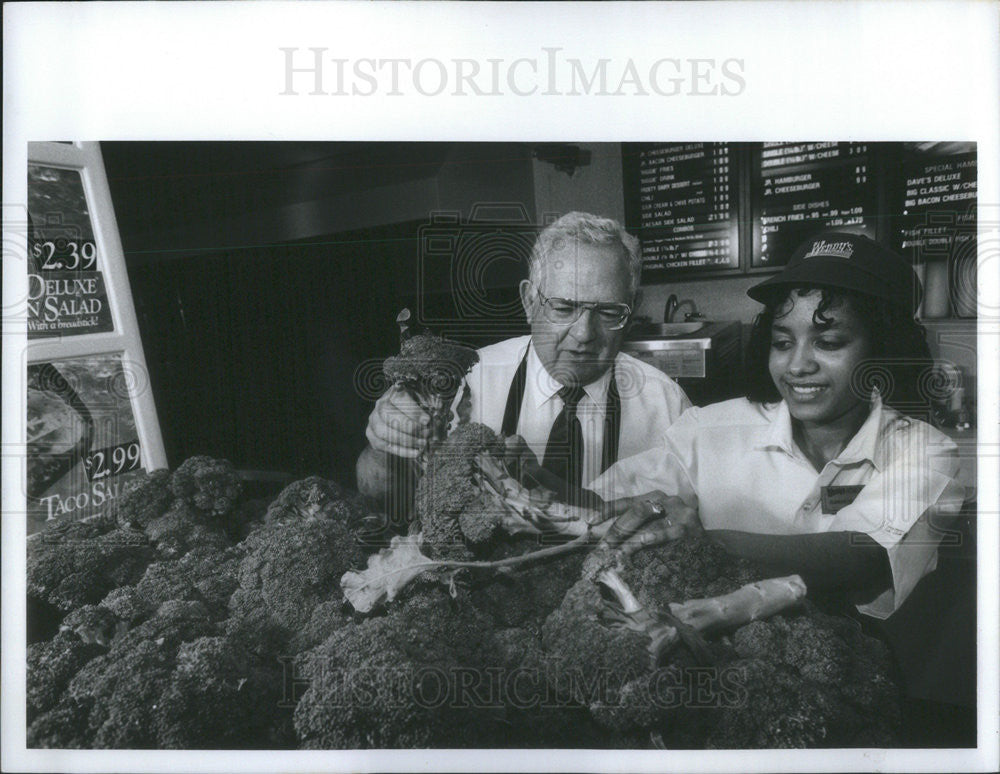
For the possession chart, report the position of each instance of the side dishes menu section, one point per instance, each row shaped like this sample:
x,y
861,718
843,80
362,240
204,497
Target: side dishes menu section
x,y
801,187
682,202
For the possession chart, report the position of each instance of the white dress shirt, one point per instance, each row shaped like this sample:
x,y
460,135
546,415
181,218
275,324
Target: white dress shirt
x,y
737,463
650,401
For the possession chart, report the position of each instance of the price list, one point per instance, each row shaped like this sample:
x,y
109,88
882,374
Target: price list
x,y
801,188
686,209
939,198
936,227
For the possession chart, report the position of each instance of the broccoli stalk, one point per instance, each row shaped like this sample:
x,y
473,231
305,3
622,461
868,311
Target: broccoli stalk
x,y
751,602
686,621
394,567
533,511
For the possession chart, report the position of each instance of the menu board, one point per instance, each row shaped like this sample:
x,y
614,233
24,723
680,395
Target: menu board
x,y
82,442
682,203
66,291
936,228
800,188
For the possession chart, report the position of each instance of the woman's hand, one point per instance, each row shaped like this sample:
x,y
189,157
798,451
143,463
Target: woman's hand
x,y
649,520
398,425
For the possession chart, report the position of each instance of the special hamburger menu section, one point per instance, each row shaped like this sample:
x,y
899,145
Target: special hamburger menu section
x,y
683,204
938,198
799,187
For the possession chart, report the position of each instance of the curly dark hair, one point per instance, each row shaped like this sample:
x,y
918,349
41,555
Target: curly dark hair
x,y
900,364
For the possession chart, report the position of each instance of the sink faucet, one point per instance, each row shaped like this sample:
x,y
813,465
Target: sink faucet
x,y
673,305
670,309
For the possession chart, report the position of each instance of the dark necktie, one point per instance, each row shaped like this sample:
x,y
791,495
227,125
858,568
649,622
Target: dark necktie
x,y
564,451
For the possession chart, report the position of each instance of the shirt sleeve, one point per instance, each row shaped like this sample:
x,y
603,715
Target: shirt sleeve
x,y
906,507
665,467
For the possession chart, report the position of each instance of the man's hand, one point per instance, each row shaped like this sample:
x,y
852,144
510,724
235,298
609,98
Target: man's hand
x,y
398,425
648,520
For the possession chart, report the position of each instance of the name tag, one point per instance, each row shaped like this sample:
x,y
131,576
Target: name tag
x,y
834,498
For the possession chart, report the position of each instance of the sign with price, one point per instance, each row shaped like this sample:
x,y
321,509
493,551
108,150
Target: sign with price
x,y
91,420
66,290
81,436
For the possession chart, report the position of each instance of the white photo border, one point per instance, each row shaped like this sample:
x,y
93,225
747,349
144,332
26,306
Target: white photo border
x,y
192,71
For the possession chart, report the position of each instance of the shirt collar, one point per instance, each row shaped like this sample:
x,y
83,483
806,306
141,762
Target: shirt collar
x,y
860,448
779,432
546,388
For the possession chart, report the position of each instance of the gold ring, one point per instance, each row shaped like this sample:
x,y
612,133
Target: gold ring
x,y
655,508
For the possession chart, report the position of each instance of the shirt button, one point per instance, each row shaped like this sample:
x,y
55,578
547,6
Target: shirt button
x,y
806,505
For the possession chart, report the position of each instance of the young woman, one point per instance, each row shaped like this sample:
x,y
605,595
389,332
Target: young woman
x,y
826,468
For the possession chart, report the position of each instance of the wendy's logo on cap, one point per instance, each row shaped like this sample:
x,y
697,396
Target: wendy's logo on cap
x,y
833,249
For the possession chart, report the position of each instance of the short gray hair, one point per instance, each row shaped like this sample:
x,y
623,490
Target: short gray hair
x,y
584,228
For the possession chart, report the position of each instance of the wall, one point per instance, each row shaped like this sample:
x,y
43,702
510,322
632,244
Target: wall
x,y
595,188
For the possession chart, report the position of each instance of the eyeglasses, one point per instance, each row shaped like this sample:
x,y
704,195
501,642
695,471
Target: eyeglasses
x,y
563,311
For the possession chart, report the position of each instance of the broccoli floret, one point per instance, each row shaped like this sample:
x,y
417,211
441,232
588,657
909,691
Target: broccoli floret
x,y
452,507
591,662
218,698
525,597
182,528
122,687
161,583
294,566
250,621
431,369
318,498
51,665
127,605
78,563
209,485
65,726
142,499
691,568
204,574
390,682
810,680
93,624
125,695
326,618
430,363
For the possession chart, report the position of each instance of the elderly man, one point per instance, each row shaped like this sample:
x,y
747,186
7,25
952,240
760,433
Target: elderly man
x,y
567,390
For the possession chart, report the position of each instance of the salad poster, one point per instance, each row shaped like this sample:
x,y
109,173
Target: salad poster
x,y
82,443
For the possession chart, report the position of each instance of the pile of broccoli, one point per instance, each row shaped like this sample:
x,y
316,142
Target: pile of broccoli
x,y
178,614
185,626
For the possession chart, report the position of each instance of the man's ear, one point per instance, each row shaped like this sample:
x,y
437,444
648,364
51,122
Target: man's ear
x,y
527,291
637,301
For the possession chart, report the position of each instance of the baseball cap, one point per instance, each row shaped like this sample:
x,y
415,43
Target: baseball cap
x,y
841,260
